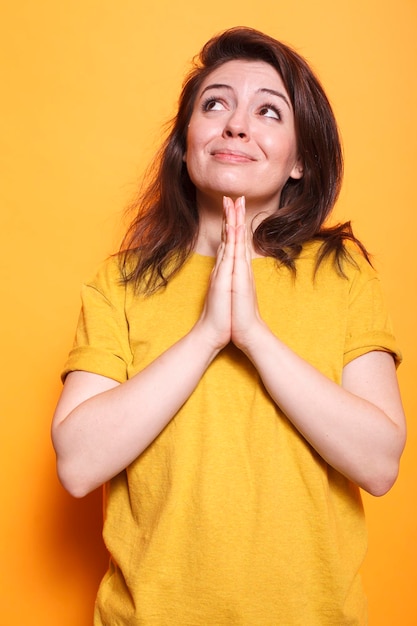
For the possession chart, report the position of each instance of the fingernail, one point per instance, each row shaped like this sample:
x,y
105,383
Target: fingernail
x,y
226,205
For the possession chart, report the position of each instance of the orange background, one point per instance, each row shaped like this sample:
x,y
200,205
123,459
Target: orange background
x,y
86,85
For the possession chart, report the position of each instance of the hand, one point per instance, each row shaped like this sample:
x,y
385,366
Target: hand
x,y
230,311
217,311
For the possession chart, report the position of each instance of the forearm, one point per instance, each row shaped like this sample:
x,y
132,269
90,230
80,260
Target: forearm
x,y
351,433
105,433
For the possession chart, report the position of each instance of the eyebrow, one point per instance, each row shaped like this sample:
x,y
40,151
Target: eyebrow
x,y
271,92
279,94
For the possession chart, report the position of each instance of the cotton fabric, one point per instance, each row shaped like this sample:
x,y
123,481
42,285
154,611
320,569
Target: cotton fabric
x,y
230,517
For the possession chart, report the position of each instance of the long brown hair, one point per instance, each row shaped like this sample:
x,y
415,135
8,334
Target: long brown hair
x,y
165,227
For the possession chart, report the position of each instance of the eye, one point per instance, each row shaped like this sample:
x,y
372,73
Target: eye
x,y
270,110
212,104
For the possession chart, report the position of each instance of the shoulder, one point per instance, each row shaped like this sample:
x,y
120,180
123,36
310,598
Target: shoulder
x,y
105,287
108,277
350,264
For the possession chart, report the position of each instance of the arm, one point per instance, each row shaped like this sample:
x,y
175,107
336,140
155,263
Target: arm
x,y
359,427
101,426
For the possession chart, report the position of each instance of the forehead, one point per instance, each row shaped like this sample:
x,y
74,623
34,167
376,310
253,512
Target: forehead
x,y
239,72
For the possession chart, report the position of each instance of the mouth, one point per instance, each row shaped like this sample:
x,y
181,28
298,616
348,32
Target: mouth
x,y
231,156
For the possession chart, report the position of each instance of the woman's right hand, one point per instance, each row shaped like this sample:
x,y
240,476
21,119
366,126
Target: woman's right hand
x,y
101,426
216,317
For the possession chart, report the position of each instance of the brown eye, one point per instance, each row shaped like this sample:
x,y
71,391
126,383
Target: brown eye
x,y
270,110
212,104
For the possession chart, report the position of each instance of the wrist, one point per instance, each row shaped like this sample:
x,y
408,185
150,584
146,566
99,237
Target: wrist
x,y
255,340
207,340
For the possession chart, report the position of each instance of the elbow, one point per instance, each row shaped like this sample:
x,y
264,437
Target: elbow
x,y
72,481
76,490
73,473
382,476
378,488
379,483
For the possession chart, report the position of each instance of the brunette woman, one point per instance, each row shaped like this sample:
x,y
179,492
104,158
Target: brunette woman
x,y
232,381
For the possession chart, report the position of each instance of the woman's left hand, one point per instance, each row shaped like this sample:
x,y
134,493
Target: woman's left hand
x,y
357,427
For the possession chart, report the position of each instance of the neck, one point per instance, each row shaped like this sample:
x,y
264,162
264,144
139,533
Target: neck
x,y
211,218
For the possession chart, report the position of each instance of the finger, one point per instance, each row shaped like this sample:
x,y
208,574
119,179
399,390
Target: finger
x,y
224,259
219,257
248,241
225,216
240,211
241,229
221,249
230,225
230,211
246,229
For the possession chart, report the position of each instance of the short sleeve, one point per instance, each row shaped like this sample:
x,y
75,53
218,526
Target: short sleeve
x,y
369,325
101,344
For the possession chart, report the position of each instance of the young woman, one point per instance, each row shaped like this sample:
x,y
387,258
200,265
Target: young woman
x,y
232,381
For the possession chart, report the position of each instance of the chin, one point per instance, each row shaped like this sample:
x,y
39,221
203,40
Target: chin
x,y
235,191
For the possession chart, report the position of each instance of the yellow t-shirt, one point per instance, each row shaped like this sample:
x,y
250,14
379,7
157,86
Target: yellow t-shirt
x,y
230,517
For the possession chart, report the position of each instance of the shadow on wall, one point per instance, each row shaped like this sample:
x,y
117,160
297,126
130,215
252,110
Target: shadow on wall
x,y
74,546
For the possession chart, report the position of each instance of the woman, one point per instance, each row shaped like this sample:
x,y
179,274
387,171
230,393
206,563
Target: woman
x,y
233,376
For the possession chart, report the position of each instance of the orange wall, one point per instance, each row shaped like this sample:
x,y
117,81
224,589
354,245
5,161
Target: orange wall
x,y
85,87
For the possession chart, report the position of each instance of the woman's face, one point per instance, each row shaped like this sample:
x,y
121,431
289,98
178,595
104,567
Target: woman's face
x,y
241,138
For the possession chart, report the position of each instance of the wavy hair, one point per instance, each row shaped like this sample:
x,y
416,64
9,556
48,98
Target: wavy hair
x,y
165,227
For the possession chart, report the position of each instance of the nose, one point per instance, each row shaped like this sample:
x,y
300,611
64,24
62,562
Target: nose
x,y
237,125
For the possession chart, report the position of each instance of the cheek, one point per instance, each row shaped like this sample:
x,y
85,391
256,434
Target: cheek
x,y
194,156
282,149
201,132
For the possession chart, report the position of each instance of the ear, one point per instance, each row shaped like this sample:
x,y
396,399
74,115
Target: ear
x,y
184,157
297,171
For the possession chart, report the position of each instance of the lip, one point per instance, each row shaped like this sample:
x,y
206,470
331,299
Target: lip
x,y
231,156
